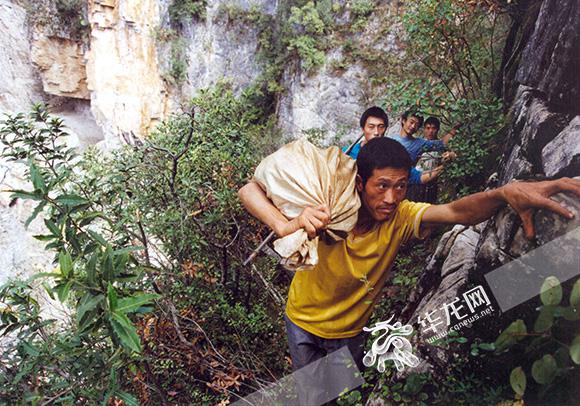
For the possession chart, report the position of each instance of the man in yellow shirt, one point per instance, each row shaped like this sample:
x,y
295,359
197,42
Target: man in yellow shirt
x,y
329,305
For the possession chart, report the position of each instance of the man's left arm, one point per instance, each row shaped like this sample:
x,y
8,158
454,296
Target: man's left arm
x,y
523,197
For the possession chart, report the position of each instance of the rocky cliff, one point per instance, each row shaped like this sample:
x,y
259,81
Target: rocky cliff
x,y
543,141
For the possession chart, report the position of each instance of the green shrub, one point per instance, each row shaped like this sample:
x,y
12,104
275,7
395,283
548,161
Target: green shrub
x,y
360,11
96,274
447,71
60,18
163,217
548,352
185,10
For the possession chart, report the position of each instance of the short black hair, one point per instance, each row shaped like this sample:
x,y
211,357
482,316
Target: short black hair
x,y
374,112
379,153
412,113
433,121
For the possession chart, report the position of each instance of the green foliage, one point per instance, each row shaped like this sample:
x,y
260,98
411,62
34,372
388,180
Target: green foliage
x,y
551,291
109,224
360,11
447,72
556,366
178,62
307,49
518,381
184,10
308,29
94,257
307,18
61,18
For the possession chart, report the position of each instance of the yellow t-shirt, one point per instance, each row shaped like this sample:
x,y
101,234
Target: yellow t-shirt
x,y
336,298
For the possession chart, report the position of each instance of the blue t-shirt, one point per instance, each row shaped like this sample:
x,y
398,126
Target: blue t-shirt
x,y
414,174
416,146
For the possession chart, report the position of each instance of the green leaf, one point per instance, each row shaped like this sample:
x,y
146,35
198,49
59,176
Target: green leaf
x,y
544,370
551,291
513,333
88,217
98,238
562,357
52,227
545,319
487,346
127,250
66,264
571,313
88,303
129,399
36,177
91,269
107,264
63,290
131,304
126,331
35,213
47,237
22,194
518,381
575,350
71,200
112,296
575,294
30,349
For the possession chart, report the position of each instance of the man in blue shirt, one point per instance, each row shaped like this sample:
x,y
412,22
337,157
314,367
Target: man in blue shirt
x,y
374,122
410,123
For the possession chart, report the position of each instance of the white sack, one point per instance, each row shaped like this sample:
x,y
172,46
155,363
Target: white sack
x,y
300,175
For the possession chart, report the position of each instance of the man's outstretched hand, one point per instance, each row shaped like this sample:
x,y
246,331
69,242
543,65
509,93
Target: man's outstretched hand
x,y
525,197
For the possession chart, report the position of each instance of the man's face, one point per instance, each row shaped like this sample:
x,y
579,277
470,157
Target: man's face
x,y
383,192
430,131
411,125
374,127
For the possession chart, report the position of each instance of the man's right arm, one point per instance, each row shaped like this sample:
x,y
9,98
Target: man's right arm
x,y
255,200
447,137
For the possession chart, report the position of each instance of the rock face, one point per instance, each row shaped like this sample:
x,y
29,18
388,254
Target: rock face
x,y
555,51
19,86
324,101
220,48
61,65
127,92
543,140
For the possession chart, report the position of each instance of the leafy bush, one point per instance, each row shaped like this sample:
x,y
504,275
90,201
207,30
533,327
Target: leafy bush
x,y
448,71
183,10
360,10
96,273
61,18
307,49
552,342
163,217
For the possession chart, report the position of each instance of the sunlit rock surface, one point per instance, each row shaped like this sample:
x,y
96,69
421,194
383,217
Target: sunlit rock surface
x,y
127,92
60,62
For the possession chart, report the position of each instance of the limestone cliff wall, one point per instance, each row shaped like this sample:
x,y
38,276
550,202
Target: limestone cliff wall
x,y
127,92
119,66
19,85
543,140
